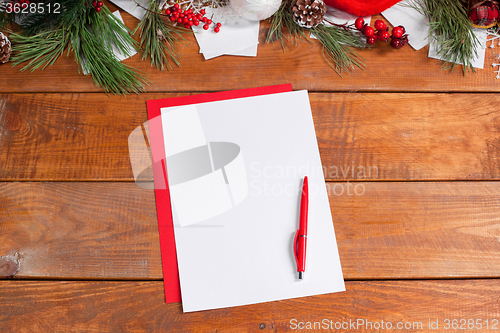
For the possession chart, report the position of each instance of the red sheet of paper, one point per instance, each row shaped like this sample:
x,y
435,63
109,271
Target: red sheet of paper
x,y
163,205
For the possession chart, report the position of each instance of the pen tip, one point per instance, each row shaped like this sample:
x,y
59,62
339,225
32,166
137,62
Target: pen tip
x,y
301,275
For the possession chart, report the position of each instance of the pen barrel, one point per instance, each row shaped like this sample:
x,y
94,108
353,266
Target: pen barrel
x,y
301,255
304,207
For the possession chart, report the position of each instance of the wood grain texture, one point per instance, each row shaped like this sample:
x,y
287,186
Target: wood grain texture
x,y
139,307
383,230
303,65
378,135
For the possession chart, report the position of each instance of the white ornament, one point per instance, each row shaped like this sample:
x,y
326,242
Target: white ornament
x,y
255,10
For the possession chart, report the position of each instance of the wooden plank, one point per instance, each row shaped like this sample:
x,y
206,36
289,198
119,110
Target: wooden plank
x,y
379,136
35,306
384,230
387,69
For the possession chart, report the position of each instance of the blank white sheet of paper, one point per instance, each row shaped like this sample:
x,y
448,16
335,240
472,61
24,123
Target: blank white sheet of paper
x,y
260,148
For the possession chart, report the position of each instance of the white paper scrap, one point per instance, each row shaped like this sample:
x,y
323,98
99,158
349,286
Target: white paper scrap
x,y
131,7
236,36
416,24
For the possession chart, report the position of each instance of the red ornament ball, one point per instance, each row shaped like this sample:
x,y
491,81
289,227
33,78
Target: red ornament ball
x,y
360,23
371,40
383,35
380,25
368,31
398,31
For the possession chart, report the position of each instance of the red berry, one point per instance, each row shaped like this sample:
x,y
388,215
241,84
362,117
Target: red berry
x,y
396,43
181,15
196,23
202,12
368,31
167,12
98,9
199,16
209,21
189,16
216,29
187,26
204,20
185,20
371,40
94,3
176,6
99,3
190,23
219,25
206,26
172,18
398,31
179,20
380,25
383,35
360,23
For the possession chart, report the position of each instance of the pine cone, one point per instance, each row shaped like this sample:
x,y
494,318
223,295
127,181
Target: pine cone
x,y
5,48
308,13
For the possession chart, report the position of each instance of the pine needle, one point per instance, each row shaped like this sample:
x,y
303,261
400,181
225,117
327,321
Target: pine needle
x,y
158,38
283,18
451,30
338,47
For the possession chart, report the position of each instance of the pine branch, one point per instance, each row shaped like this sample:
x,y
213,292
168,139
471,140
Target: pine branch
x,y
283,18
338,47
92,36
107,72
41,50
451,30
158,38
338,42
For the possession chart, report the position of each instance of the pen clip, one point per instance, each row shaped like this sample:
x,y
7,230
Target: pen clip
x,y
296,246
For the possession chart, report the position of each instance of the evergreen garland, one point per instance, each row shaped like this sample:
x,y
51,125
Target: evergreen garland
x,y
89,34
92,35
338,41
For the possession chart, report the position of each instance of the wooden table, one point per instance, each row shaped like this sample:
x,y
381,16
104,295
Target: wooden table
x,y
79,247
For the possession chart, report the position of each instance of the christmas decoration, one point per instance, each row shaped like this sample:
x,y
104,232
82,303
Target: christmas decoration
x,y
483,14
97,5
362,7
157,37
79,28
338,42
399,38
86,29
451,30
255,10
5,48
308,13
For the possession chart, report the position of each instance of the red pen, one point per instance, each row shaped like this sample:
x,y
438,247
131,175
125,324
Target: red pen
x,y
300,241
